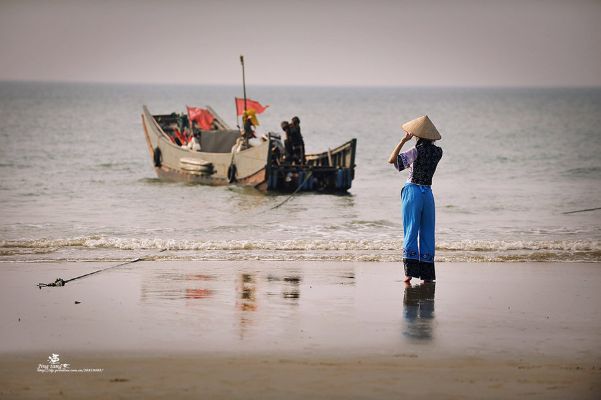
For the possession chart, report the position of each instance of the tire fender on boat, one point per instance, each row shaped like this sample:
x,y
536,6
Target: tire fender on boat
x,y
157,157
231,173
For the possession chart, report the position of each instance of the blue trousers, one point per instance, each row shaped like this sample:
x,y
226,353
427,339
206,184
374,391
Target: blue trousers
x,y
418,227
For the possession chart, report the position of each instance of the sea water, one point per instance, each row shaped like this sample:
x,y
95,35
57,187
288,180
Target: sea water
x,y
77,181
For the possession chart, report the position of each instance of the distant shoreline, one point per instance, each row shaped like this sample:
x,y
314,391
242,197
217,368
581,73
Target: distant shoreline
x,y
236,86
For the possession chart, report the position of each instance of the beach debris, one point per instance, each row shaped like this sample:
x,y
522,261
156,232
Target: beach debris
x,y
77,302
57,282
119,380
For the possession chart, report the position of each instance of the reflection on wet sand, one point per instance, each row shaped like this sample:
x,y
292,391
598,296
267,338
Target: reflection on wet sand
x,y
246,301
285,287
176,286
247,290
418,304
198,293
326,319
290,287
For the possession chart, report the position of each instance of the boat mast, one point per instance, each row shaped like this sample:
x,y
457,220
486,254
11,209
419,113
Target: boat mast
x,y
243,80
244,90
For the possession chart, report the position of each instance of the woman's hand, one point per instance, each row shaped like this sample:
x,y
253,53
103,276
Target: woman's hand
x,y
398,147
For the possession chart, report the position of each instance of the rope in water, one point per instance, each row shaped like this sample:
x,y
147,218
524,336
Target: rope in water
x,y
62,282
579,211
293,193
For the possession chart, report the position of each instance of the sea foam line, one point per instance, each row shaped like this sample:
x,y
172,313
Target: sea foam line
x,y
104,242
343,256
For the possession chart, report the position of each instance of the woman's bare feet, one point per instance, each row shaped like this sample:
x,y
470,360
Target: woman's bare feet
x,y
407,279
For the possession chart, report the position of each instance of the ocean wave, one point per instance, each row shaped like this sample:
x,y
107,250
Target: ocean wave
x,y
318,257
501,245
93,242
103,242
591,171
103,248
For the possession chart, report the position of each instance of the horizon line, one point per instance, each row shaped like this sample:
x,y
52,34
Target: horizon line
x,y
313,85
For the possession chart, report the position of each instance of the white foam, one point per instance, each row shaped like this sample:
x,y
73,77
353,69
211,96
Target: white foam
x,y
103,247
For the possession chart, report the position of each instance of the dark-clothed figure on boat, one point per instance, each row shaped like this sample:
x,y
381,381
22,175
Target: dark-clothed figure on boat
x,y
196,128
298,144
277,147
249,131
288,141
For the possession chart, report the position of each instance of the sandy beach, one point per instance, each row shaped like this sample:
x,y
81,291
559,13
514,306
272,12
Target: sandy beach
x,y
302,329
320,377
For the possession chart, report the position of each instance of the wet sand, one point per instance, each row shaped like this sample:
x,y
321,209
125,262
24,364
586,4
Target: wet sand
x,y
302,330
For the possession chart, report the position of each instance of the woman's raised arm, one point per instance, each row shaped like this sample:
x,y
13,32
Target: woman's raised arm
x,y
398,147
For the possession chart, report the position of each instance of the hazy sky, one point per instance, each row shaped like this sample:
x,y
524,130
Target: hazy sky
x,y
377,42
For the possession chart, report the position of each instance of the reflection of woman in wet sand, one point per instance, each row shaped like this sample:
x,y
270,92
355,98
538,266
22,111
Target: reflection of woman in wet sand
x,y
418,304
417,198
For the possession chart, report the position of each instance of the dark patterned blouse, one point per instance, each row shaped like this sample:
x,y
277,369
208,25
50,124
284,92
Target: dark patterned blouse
x,y
421,162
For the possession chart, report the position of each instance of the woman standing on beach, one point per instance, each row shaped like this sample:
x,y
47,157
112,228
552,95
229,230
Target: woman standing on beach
x,y
417,198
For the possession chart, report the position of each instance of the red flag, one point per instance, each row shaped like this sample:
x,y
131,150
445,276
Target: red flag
x,y
201,116
250,105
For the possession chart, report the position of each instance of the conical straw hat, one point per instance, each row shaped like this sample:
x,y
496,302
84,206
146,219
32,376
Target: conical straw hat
x,y
422,127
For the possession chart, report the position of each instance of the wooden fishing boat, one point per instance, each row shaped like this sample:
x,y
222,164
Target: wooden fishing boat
x,y
260,166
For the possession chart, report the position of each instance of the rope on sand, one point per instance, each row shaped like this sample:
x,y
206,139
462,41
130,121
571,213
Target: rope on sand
x,y
62,282
579,211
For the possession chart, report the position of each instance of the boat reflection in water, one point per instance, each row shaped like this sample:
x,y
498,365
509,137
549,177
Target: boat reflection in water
x,y
287,287
198,292
279,291
418,308
246,301
177,286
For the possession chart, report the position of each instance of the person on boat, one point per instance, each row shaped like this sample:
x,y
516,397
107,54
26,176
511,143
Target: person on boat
x,y
241,144
178,136
172,138
277,148
298,144
288,141
194,144
195,128
187,134
172,133
249,125
416,196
